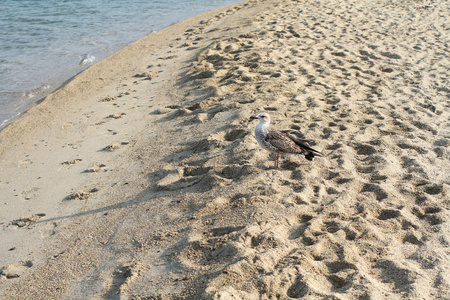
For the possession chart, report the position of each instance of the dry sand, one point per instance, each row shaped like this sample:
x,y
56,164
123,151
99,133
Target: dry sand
x,y
141,178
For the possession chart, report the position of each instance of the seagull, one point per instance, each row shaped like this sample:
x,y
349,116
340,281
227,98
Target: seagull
x,y
280,141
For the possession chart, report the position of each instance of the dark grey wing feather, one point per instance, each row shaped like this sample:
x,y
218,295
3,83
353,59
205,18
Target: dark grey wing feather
x,y
283,143
287,131
304,144
295,139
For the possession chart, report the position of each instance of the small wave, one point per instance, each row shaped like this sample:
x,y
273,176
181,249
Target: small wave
x,y
11,103
86,60
37,91
9,118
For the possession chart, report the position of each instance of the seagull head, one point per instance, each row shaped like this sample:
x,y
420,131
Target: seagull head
x,y
262,117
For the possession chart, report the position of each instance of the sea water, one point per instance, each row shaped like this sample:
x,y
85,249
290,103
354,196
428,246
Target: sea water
x,y
45,42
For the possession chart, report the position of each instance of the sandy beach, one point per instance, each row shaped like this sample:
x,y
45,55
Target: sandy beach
x,y
141,177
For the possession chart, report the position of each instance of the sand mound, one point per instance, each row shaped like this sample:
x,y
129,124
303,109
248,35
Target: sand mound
x,y
186,208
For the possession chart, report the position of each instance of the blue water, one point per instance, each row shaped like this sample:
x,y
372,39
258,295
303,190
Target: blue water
x,y
45,42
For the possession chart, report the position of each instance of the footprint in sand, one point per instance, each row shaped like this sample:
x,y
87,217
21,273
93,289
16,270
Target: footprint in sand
x,y
69,163
116,116
122,277
81,195
96,168
48,229
144,76
27,221
115,146
110,132
30,194
67,125
393,272
15,270
74,145
108,99
24,163
299,288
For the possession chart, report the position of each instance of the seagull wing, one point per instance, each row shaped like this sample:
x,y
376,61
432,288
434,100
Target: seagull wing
x,y
289,131
304,144
282,142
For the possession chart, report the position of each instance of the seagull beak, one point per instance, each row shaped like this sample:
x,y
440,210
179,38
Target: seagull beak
x,y
253,118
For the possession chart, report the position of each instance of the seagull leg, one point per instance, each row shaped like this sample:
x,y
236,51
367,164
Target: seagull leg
x,y
276,162
277,156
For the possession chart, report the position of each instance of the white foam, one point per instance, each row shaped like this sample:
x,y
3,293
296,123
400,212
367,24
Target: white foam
x,y
86,60
38,91
12,117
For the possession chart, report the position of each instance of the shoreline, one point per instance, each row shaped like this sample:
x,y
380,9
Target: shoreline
x,y
49,82
58,86
141,177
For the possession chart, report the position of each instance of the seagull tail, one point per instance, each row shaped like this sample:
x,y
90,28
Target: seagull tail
x,y
309,156
305,145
